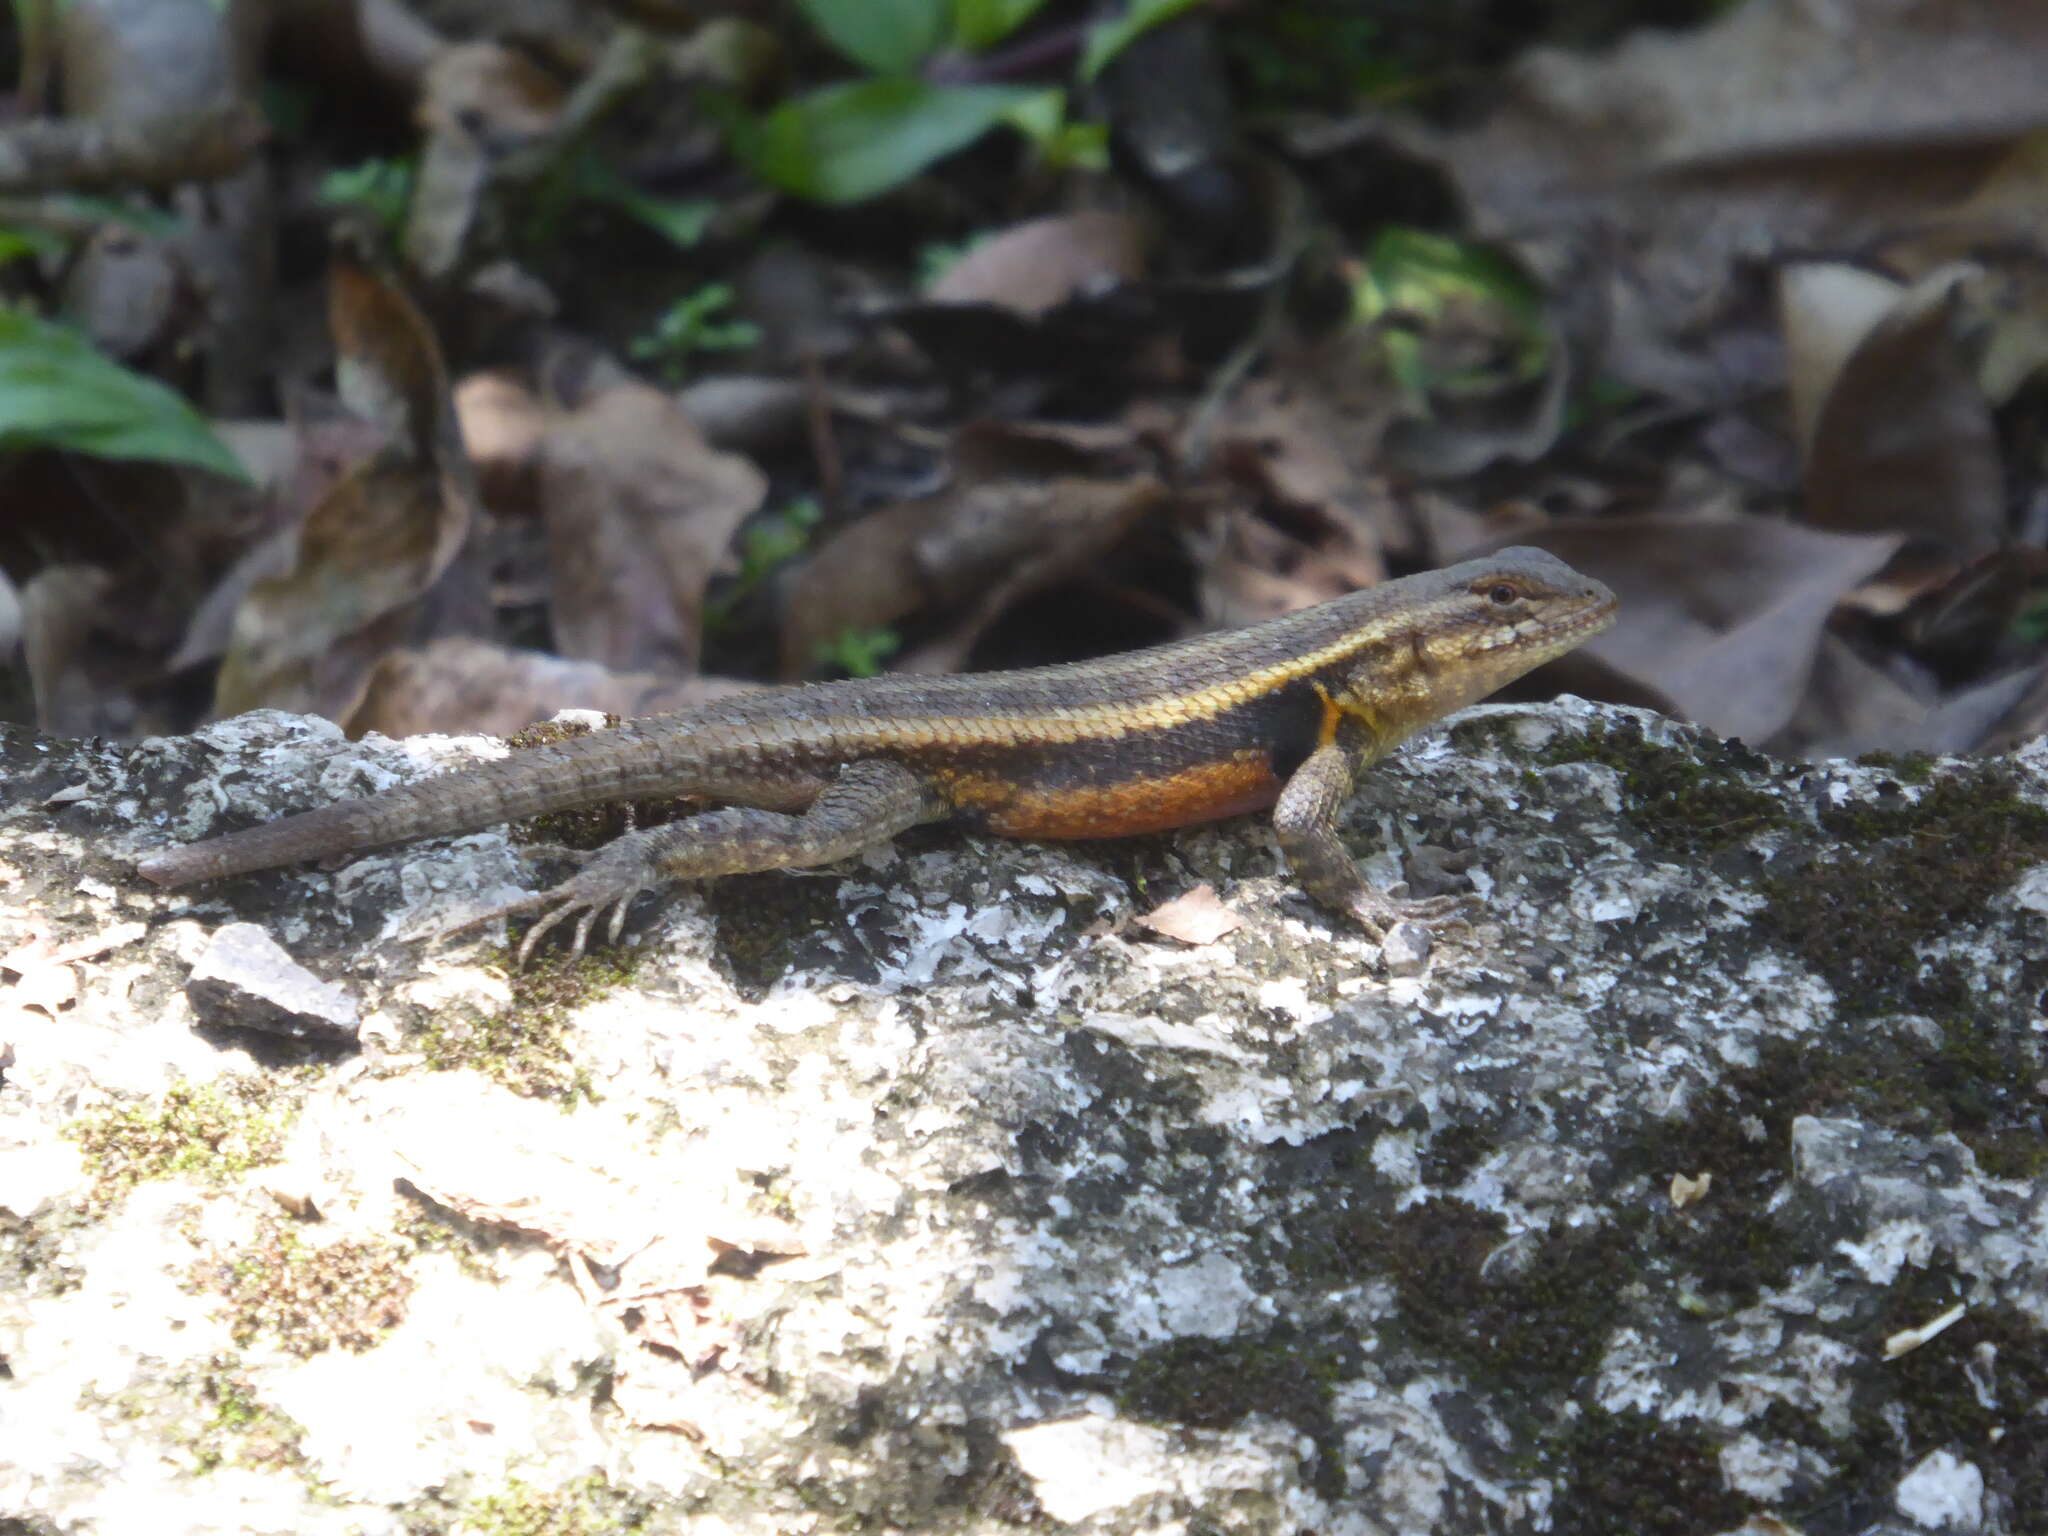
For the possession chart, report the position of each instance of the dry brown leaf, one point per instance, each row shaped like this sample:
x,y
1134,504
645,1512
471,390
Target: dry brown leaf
x,y
1689,1188
1825,309
348,579
326,448
387,364
42,980
1085,519
60,605
2026,719
1903,439
640,509
1681,159
479,102
459,685
1035,266
502,425
1027,507
1853,705
45,971
306,639
1766,82
2007,209
1766,1525
1257,571
1306,449
1973,622
1197,917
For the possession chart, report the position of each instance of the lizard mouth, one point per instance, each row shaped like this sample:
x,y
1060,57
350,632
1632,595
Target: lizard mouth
x,y
1587,621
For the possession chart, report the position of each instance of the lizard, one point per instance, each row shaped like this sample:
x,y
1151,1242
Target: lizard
x,y
1285,713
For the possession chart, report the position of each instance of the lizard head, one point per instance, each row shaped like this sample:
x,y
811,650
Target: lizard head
x,y
1464,631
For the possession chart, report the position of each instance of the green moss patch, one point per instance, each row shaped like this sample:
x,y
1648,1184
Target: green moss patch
x,y
769,923
212,1132
1900,876
586,1506
308,1298
1927,1401
1688,801
240,1429
1628,1474
526,1048
1531,1316
212,1410
1215,1383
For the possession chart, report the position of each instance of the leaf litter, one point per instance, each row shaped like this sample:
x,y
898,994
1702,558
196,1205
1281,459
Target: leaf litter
x,y
1748,320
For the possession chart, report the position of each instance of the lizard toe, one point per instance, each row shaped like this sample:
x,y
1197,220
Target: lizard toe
x,y
1377,912
585,898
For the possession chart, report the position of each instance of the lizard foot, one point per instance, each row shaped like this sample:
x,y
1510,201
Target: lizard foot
x,y
1377,912
606,884
584,899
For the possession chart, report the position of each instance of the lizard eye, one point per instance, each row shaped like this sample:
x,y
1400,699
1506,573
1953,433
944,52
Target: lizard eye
x,y
1503,594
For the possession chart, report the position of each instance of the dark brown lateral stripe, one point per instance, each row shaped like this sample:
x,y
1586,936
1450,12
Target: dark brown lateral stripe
x,y
1204,792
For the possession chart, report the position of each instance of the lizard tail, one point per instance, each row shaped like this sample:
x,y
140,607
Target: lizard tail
x,y
510,789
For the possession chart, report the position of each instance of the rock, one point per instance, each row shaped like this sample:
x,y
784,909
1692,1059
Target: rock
x,y
245,980
934,1193
1406,951
1943,1494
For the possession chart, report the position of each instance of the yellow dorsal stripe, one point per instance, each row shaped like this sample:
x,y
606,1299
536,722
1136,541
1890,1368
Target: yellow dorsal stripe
x,y
1108,719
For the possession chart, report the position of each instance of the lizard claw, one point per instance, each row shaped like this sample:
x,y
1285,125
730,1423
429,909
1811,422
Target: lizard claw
x,y
584,896
584,899
1377,912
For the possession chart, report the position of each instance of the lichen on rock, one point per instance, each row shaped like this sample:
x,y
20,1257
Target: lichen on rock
x,y
936,1193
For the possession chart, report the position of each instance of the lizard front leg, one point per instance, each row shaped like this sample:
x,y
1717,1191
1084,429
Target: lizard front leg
x,y
1305,821
868,803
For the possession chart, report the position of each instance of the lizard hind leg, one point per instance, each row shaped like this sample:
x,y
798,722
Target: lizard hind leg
x,y
868,803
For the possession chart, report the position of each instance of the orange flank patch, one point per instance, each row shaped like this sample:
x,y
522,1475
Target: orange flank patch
x,y
1204,793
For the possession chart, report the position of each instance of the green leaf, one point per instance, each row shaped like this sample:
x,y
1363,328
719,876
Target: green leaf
x,y
680,220
57,391
849,142
766,545
383,187
858,652
1107,39
890,37
25,241
1061,145
1413,281
978,24
690,325
1040,115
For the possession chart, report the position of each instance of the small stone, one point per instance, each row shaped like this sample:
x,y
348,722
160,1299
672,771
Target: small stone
x,y
1943,1493
1407,948
245,980
1687,1188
